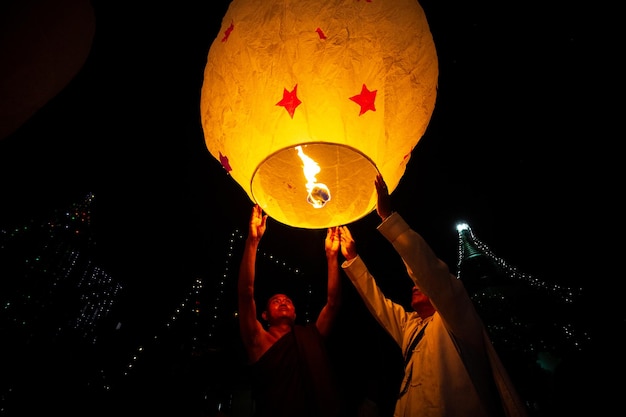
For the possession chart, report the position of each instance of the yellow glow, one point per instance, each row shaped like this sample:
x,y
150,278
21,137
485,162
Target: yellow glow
x,y
319,194
352,83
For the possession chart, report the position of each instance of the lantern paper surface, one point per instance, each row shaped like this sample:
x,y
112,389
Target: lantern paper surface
x,y
304,102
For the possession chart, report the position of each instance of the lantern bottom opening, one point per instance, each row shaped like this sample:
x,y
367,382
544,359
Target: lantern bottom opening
x,y
340,177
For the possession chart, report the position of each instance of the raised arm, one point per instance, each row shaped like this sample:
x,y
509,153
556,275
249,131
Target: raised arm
x,y
390,315
428,272
333,296
249,325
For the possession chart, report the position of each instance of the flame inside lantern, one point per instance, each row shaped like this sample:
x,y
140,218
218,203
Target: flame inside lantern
x,y
319,194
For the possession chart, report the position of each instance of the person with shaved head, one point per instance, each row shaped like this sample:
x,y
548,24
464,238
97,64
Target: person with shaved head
x,y
290,366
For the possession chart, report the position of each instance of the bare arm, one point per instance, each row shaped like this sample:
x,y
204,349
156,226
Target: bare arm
x,y
251,329
333,298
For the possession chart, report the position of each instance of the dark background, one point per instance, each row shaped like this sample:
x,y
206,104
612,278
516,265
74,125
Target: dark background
x,y
519,146
513,146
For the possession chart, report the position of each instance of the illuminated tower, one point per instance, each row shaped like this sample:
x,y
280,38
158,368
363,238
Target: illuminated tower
x,y
478,270
533,324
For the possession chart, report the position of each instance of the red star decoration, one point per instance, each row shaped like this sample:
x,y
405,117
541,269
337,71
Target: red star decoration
x,y
227,32
406,156
225,164
320,33
290,100
365,100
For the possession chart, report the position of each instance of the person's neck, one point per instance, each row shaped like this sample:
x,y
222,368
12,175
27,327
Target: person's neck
x,y
425,311
279,329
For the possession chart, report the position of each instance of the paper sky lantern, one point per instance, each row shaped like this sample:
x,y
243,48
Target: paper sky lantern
x,y
304,102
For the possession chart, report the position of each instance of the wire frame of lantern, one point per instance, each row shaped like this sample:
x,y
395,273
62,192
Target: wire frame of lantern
x,y
304,102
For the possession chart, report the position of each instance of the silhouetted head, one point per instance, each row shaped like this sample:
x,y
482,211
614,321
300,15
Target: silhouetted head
x,y
279,310
421,303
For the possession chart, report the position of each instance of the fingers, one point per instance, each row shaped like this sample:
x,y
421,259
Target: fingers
x,y
257,218
258,211
381,186
263,218
333,234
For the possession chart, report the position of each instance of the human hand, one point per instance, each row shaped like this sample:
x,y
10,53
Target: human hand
x,y
348,245
258,222
331,243
383,206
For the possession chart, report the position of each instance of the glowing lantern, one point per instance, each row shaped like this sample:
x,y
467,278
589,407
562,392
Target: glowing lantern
x,y
304,102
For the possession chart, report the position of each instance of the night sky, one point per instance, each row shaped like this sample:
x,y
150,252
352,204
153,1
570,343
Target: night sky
x,y
511,149
504,150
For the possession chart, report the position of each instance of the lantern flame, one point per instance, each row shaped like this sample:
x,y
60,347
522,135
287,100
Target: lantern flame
x,y
318,193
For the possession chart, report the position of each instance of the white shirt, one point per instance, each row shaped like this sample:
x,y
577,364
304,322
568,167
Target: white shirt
x,y
454,366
